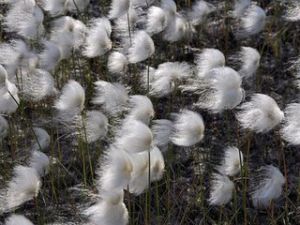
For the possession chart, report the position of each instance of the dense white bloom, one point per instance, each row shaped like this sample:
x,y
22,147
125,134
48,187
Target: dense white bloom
x,y
266,186
250,58
162,130
17,220
111,96
109,211
96,126
42,139
232,162
134,137
117,63
188,128
252,22
54,7
169,6
291,129
142,47
221,190
157,164
176,29
141,108
222,90
98,38
114,172
208,59
199,11
50,56
24,186
25,18
261,114
156,20
77,6
3,128
240,6
118,8
40,162
293,11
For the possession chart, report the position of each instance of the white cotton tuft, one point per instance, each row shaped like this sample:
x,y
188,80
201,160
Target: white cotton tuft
x,y
54,7
267,186
72,97
96,126
250,59
157,164
113,97
50,56
169,6
199,11
293,11
76,6
117,63
252,22
17,220
118,8
115,171
42,139
221,190
24,186
291,129
177,28
3,127
232,162
188,128
98,38
134,137
162,130
40,162
261,114
141,108
142,47
240,6
208,59
156,20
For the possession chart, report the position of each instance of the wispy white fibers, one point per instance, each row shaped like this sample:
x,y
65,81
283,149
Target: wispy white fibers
x,y
199,11
17,220
57,7
232,161
96,126
208,59
177,28
156,20
221,190
260,114
98,38
117,63
40,162
109,211
157,164
140,108
166,76
250,59
77,6
291,129
134,137
50,56
24,186
293,11
113,97
252,22
162,130
266,186
240,6
3,127
9,99
42,139
114,172
25,18
221,90
142,47
169,6
118,8
188,128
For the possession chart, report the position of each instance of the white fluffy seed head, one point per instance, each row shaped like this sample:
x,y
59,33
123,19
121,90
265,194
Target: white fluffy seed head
x,y
42,139
98,38
261,114
40,162
17,220
252,22
208,59
134,137
96,126
266,186
118,8
291,129
169,6
72,97
221,190
111,96
54,7
199,11
77,6
293,11
50,56
117,63
157,164
156,20
3,127
177,28
232,162
188,128
9,99
240,6
24,186
250,59
142,47
162,130
141,108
